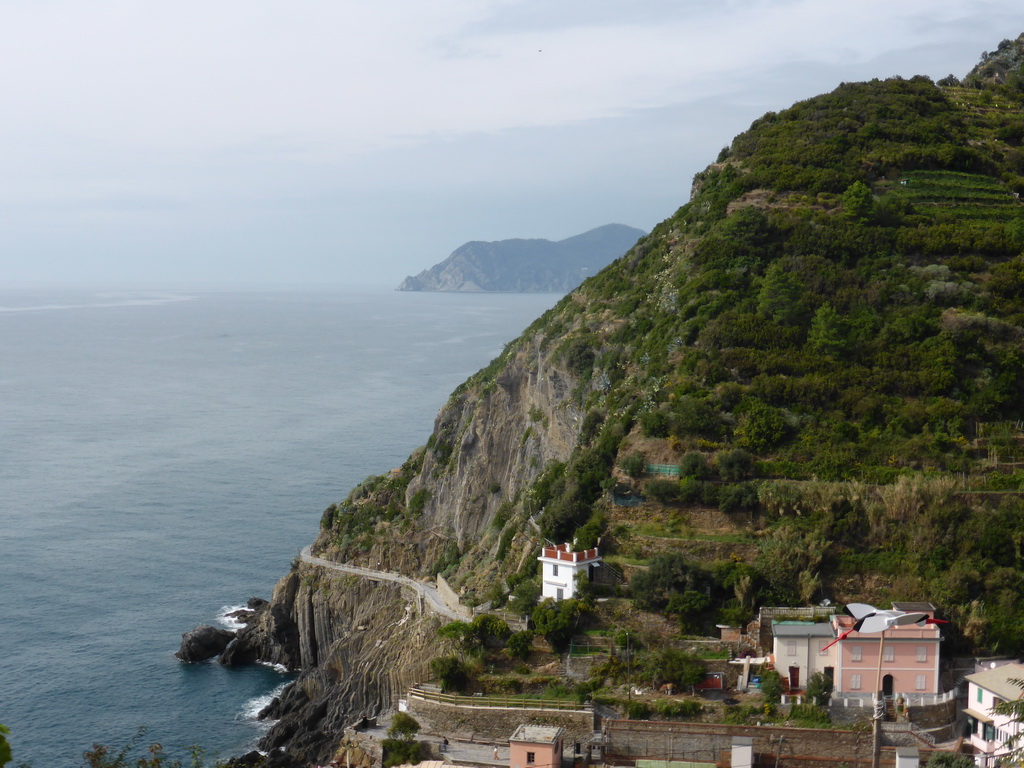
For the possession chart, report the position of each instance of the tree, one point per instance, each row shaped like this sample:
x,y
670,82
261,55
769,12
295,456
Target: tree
x,y
519,644
399,747
779,296
819,688
858,202
667,573
828,335
670,665
1015,709
761,426
5,748
556,621
689,606
664,491
771,686
452,673
734,465
693,465
950,760
489,630
403,726
634,465
526,594
462,634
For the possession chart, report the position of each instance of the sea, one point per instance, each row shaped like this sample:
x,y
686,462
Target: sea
x,y
164,455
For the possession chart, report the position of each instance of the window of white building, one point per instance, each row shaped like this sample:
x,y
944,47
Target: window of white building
x,y
791,647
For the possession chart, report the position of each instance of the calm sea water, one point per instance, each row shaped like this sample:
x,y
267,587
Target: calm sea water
x,y
164,456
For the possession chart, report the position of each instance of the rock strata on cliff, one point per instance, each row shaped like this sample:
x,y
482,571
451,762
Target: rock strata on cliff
x,y
358,645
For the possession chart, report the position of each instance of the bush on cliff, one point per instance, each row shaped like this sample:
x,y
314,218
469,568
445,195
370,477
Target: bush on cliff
x,y
400,752
399,747
451,672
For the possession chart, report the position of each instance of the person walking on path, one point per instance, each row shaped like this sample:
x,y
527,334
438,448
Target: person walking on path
x,y
495,753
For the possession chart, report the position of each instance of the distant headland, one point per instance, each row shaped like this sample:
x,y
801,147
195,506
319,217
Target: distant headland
x,y
526,266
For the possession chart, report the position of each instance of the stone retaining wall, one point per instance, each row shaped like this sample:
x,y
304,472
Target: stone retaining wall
x,y
629,740
493,724
447,594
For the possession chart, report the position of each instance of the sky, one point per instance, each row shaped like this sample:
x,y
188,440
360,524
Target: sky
x,y
328,143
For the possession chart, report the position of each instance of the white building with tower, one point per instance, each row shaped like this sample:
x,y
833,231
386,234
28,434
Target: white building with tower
x,y
559,568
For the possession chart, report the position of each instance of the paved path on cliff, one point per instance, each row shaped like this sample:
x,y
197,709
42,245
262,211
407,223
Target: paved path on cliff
x,y
427,592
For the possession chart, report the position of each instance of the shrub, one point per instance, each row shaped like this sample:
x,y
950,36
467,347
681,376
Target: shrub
x,y
403,726
556,621
519,644
400,752
451,672
634,465
665,491
683,709
638,710
654,424
810,716
735,465
819,688
949,760
771,687
738,498
694,465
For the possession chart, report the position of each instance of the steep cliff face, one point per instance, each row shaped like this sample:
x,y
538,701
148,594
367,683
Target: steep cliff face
x,y
490,442
502,435
359,646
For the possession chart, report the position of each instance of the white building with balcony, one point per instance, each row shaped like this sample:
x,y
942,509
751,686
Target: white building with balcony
x,y
559,567
990,731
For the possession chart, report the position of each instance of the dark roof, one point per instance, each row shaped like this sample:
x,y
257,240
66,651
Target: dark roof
x,y
801,629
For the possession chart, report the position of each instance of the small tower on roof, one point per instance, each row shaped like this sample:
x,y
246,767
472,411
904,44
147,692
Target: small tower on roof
x,y
559,566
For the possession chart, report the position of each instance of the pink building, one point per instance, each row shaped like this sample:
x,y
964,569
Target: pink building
x,y
909,657
536,746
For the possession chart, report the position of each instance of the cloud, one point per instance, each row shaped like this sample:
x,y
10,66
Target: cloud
x,y
185,125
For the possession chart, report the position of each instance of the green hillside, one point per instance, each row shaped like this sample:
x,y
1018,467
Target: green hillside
x,y
827,341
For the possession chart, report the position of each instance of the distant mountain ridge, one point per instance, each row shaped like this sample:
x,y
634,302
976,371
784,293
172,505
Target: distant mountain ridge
x,y
526,266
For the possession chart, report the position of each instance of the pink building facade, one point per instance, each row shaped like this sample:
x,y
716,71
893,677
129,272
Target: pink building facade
x,y
900,660
536,746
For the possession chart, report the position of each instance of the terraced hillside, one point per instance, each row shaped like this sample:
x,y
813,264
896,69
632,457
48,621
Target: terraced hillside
x,y
826,341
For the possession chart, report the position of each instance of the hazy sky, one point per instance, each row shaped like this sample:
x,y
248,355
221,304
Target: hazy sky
x,y
323,142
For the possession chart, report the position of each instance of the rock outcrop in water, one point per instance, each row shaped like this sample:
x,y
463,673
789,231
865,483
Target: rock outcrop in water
x,y
204,642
